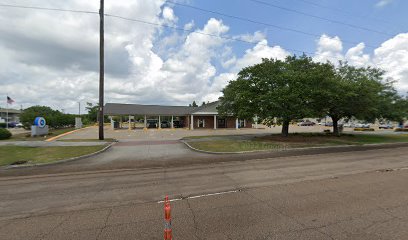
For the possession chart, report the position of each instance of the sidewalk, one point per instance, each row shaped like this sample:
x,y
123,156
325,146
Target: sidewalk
x,y
49,144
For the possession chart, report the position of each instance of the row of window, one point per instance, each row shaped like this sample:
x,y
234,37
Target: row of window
x,y
221,123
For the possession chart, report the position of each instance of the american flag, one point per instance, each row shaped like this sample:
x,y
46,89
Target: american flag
x,y
9,100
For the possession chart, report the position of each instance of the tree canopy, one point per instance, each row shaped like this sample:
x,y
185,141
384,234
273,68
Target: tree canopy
x,y
298,87
54,118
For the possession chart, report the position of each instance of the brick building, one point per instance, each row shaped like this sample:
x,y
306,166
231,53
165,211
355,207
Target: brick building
x,y
205,117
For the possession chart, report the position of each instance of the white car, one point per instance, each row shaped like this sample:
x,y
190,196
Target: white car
x,y
19,125
362,125
349,125
386,126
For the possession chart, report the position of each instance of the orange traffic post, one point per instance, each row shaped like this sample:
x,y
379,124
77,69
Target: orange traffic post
x,y
167,220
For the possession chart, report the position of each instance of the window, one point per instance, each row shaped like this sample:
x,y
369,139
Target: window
x,y
241,123
200,123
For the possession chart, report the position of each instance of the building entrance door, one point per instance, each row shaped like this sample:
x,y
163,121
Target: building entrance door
x,y
221,123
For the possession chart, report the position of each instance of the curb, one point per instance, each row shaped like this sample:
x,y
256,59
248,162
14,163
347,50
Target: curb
x,y
293,149
59,161
64,134
203,151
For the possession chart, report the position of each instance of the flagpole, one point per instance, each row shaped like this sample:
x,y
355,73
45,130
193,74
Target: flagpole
x,y
7,112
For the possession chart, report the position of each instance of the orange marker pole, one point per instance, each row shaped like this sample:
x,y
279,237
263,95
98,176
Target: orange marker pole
x,y
167,220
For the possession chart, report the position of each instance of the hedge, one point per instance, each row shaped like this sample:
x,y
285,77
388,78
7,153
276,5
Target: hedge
x,y
364,129
4,134
401,130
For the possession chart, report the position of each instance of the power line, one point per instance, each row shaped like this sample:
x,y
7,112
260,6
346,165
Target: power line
x,y
196,32
162,25
343,11
259,22
48,9
321,18
218,36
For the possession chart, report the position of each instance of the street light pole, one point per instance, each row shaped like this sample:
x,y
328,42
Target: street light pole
x,y
101,69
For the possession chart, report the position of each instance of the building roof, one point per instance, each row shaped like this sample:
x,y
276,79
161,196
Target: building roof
x,y
10,110
154,110
138,109
209,108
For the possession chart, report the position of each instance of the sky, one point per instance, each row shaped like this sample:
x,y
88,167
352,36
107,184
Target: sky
x,y
175,52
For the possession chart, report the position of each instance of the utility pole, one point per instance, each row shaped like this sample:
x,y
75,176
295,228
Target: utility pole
x,y
101,69
79,108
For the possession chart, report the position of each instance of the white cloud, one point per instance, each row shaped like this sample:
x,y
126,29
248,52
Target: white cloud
x,y
392,56
189,25
355,56
251,57
329,49
255,37
383,3
261,50
51,58
168,14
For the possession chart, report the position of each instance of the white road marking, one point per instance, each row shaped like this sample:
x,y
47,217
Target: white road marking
x,y
203,195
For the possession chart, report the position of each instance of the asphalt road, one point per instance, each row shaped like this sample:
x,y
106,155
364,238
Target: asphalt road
x,y
343,195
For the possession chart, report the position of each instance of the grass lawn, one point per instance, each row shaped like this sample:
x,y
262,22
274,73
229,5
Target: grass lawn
x,y
27,136
233,146
11,154
276,142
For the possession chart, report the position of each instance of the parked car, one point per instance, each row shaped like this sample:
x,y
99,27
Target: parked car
x,y
177,124
306,123
328,124
386,126
11,124
19,125
165,124
151,123
362,125
349,125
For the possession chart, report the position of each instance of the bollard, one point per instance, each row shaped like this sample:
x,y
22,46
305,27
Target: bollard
x,y
167,219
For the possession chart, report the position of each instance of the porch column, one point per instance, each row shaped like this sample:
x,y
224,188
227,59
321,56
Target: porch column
x,y
192,122
215,121
256,121
130,126
159,124
172,125
145,122
236,123
112,122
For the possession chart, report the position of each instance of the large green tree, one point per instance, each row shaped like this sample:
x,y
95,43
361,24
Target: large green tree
x,y
54,118
354,92
273,88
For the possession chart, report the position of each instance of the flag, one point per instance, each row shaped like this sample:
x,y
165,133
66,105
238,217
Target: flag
x,y
9,100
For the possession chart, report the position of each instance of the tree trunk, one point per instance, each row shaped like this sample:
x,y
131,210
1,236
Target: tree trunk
x,y
335,126
285,128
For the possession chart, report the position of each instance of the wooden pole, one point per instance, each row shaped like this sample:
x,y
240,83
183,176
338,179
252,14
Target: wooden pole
x,y
101,69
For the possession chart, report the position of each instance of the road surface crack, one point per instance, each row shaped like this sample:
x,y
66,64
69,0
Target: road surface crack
x,y
54,228
105,223
194,219
317,229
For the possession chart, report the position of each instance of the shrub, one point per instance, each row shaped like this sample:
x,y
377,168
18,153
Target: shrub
x,y
364,129
401,130
4,134
3,125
